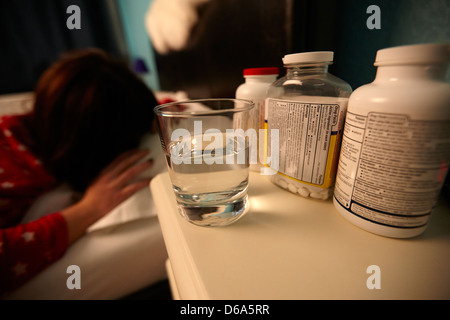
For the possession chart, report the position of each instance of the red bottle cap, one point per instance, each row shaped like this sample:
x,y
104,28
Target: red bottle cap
x,y
260,71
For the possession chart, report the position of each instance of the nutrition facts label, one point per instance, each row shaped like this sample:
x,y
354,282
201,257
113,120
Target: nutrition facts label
x,y
305,132
391,168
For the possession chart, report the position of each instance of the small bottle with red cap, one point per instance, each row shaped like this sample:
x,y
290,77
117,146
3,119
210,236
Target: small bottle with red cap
x,y
257,81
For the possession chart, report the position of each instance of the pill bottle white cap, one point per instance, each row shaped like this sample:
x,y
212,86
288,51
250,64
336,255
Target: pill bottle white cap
x,y
309,57
414,54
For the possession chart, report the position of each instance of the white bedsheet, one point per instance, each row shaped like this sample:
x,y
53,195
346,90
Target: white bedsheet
x,y
120,254
113,262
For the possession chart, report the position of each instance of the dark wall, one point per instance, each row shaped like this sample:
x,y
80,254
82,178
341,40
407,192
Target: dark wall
x,y
34,33
237,34
234,34
230,36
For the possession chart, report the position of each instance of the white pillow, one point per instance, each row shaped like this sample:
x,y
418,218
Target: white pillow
x,y
140,205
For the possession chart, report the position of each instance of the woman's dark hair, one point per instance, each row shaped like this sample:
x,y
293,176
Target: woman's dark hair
x,y
89,108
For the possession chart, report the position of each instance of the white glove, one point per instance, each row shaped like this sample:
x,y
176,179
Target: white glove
x,y
169,23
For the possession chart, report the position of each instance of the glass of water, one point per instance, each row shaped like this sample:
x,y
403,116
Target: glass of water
x,y
207,148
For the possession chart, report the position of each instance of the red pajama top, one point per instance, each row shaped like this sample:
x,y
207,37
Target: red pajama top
x,y
25,249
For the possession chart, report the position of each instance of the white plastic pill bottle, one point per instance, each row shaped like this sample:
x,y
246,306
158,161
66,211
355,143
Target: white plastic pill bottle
x,y
307,106
257,81
396,146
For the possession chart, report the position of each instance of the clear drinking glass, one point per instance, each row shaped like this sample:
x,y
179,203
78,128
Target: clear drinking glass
x,y
207,147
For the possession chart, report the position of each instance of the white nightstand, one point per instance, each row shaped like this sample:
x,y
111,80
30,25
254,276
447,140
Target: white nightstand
x,y
288,247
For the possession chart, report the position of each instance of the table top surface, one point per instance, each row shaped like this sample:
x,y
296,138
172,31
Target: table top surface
x,y
289,247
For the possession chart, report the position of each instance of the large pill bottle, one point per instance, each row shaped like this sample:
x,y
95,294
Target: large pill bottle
x,y
395,150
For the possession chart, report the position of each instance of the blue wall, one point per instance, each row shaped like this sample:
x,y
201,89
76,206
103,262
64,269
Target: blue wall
x,y
139,45
403,22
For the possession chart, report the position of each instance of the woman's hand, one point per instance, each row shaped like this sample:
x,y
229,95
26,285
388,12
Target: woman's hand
x,y
115,184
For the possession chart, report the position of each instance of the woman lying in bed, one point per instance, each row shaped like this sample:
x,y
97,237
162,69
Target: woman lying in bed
x,y
89,115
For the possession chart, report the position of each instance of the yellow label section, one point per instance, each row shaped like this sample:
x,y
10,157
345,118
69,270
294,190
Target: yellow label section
x,y
266,139
309,140
329,176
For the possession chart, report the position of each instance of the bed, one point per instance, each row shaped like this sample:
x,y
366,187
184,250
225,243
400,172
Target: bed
x,y
120,254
